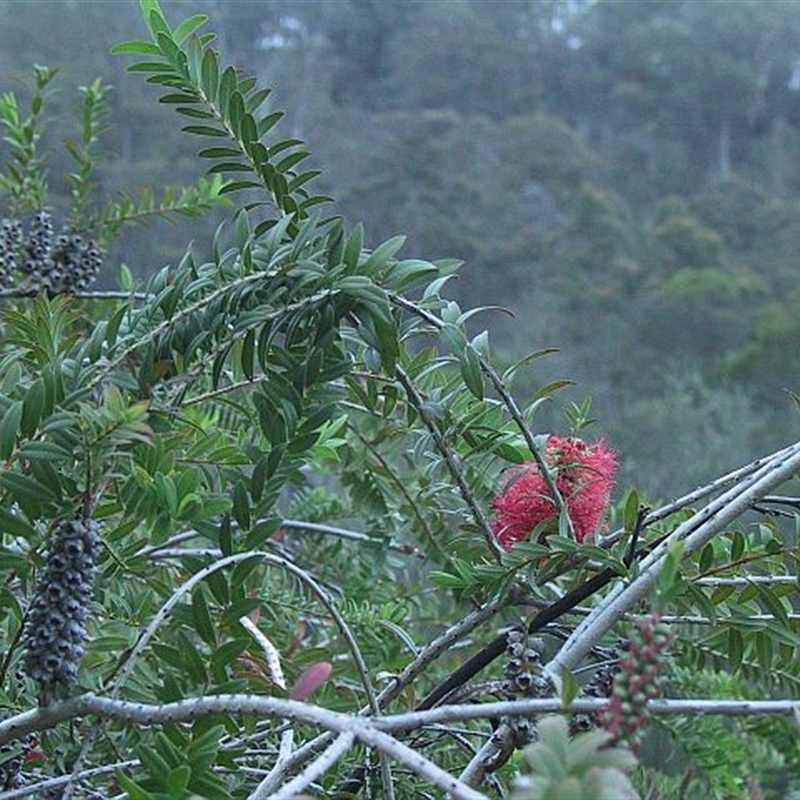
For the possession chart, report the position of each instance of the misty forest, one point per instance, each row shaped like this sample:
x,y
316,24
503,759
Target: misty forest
x,y
399,399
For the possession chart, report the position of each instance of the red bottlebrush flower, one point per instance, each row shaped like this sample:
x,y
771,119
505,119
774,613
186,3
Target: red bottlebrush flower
x,y
583,474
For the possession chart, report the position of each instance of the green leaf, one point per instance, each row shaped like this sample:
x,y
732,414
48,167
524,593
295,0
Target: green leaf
x,y
352,250
14,525
735,648
133,790
737,546
125,278
209,74
136,47
178,781
706,558
205,130
227,85
241,506
188,27
670,573
569,687
220,152
471,371
9,427
382,254
23,487
553,387
32,408
202,619
773,603
630,515
446,580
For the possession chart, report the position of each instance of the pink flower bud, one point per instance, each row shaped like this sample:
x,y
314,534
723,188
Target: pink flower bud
x,y
311,679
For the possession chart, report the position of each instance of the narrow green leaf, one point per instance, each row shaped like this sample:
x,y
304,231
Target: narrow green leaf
x,y
202,619
706,558
188,27
285,164
268,122
136,47
235,186
569,688
553,387
205,130
737,546
23,487
248,354
773,603
9,427
241,506
383,253
227,85
471,371
209,72
230,166
735,648
631,512
32,408
220,152
133,790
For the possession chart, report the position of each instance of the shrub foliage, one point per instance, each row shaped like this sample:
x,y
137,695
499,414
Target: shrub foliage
x,y
247,516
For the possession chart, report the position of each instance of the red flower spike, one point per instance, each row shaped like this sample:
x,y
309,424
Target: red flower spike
x,y
583,474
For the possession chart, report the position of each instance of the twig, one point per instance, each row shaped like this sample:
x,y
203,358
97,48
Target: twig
x,y
355,536
155,332
365,730
455,471
315,770
747,580
442,643
89,704
498,747
41,787
507,398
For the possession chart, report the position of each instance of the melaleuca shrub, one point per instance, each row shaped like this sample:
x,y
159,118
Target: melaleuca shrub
x,y
55,629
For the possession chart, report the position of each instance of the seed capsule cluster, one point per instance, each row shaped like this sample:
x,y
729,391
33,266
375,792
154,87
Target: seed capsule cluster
x,y
599,686
638,680
12,758
55,630
66,265
523,678
10,245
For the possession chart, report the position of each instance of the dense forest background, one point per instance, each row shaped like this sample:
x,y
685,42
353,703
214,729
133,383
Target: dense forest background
x,y
623,177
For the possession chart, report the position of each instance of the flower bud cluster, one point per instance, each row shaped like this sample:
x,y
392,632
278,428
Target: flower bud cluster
x,y
638,680
55,630
67,265
523,678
